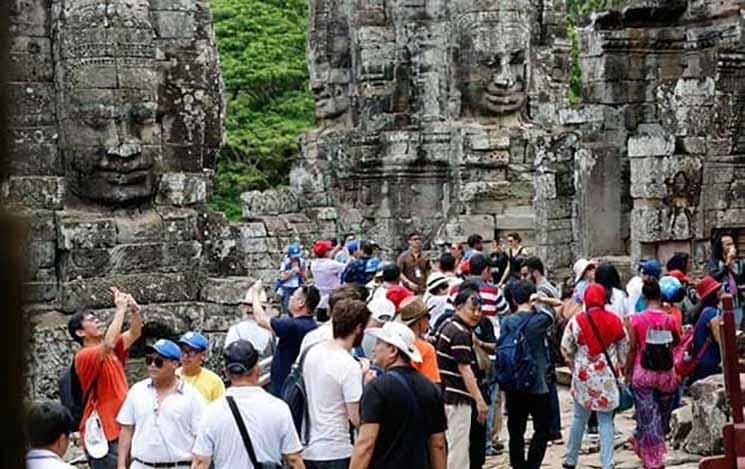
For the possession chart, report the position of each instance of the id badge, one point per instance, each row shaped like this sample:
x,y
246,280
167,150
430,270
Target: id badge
x,y
418,272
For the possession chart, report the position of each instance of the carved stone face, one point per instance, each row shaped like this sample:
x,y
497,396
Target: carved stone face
x,y
331,93
491,64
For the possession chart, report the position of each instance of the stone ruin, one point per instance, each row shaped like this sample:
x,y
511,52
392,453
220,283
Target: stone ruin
x,y
448,117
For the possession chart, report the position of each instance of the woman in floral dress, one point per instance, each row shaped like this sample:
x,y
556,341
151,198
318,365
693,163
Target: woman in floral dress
x,y
594,380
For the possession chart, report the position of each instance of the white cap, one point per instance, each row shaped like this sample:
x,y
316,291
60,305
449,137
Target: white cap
x,y
435,280
382,309
398,335
579,269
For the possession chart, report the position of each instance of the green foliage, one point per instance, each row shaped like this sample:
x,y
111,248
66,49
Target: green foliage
x,y
577,10
262,51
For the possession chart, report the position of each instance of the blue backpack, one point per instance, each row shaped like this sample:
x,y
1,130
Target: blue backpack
x,y
515,366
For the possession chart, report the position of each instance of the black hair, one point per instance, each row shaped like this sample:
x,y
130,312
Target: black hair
x,y
679,261
312,297
447,262
521,291
75,323
391,272
515,236
474,239
464,293
534,264
478,263
414,233
717,252
367,248
651,290
46,422
711,301
607,276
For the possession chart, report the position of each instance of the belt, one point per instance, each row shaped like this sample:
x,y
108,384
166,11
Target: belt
x,y
164,464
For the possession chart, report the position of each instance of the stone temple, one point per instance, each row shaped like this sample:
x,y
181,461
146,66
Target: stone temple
x,y
450,117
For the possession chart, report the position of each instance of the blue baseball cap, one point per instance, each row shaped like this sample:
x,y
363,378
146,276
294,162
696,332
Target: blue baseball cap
x,y
372,265
651,267
166,349
194,340
294,250
670,287
353,246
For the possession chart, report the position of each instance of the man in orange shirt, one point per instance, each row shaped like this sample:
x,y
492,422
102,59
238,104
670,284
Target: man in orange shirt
x,y
100,368
414,313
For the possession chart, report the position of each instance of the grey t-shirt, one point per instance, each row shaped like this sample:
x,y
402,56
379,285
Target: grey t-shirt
x,y
535,333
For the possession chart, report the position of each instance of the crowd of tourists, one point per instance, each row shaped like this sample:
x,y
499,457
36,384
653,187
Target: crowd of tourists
x,y
413,363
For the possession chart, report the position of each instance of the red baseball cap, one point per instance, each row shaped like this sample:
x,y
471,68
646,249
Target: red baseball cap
x,y
682,278
396,294
321,247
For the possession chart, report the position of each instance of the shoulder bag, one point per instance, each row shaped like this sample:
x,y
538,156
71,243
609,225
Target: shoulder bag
x,y
246,439
625,398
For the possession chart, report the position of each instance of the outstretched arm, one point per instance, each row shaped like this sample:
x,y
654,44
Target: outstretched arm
x,y
135,327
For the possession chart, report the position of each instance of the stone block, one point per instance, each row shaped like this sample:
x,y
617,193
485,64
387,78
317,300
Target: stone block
x,y
146,288
135,258
179,224
146,226
174,24
84,263
219,318
252,230
271,202
84,231
182,189
545,186
40,255
258,245
651,145
34,102
650,224
223,257
582,115
225,291
34,192
40,292
466,225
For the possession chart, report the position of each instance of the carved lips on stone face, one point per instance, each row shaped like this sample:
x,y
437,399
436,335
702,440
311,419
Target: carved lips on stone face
x,y
491,64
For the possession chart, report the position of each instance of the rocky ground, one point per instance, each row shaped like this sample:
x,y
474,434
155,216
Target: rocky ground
x,y
589,455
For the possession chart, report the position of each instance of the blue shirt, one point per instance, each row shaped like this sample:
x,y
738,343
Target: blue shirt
x,y
290,332
535,333
356,272
711,359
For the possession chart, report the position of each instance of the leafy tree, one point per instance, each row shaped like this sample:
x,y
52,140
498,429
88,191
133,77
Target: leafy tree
x,y
262,51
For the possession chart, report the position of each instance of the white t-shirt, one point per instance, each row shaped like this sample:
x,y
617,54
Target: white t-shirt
x,y
163,432
268,423
45,459
619,304
634,289
332,379
327,275
248,330
321,333
438,305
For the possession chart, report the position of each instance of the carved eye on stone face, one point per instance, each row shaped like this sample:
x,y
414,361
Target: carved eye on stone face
x,y
98,117
338,91
494,62
518,58
143,114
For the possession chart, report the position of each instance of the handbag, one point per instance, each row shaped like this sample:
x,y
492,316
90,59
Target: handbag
x,y
246,439
625,398
96,444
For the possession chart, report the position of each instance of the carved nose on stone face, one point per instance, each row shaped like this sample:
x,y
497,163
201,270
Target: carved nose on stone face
x,y
505,78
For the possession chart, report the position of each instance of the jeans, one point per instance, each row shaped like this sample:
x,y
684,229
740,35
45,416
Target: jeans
x,y
286,294
457,434
605,424
555,426
495,412
520,406
331,464
108,461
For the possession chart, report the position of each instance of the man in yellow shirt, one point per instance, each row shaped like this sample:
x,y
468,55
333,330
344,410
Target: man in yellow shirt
x,y
193,354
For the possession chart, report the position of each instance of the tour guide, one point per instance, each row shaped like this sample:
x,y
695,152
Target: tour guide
x,y
159,418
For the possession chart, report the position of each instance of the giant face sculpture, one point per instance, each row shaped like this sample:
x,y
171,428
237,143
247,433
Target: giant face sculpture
x,y
329,58
107,89
490,58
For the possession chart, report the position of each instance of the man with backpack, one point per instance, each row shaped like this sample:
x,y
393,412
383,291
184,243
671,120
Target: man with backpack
x,y
254,419
98,369
522,359
402,414
456,360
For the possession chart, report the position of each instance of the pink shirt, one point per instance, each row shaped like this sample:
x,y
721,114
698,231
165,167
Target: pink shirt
x,y
665,381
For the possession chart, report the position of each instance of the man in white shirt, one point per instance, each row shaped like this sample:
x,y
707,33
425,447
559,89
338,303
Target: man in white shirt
x,y
325,331
48,427
160,415
333,382
267,420
247,329
326,273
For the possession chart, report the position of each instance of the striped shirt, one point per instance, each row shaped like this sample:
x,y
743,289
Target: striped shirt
x,y
455,346
494,302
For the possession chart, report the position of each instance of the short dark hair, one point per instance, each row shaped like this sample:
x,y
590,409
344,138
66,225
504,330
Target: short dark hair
x,y
414,233
533,263
463,295
350,291
312,296
679,261
75,323
651,290
478,263
474,239
348,314
391,272
514,235
521,290
447,262
368,247
607,276
46,422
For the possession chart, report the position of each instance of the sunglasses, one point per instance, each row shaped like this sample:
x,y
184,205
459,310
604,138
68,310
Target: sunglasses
x,y
158,361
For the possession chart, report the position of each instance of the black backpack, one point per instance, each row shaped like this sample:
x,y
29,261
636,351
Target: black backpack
x,y
296,397
656,356
71,393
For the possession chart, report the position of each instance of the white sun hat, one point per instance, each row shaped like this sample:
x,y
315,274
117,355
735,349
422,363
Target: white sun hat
x,y
398,335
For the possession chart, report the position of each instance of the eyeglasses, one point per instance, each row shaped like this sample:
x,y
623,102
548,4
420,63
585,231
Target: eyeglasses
x,y
149,360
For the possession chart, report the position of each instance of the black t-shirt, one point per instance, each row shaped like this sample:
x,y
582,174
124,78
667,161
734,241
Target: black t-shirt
x,y
406,420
